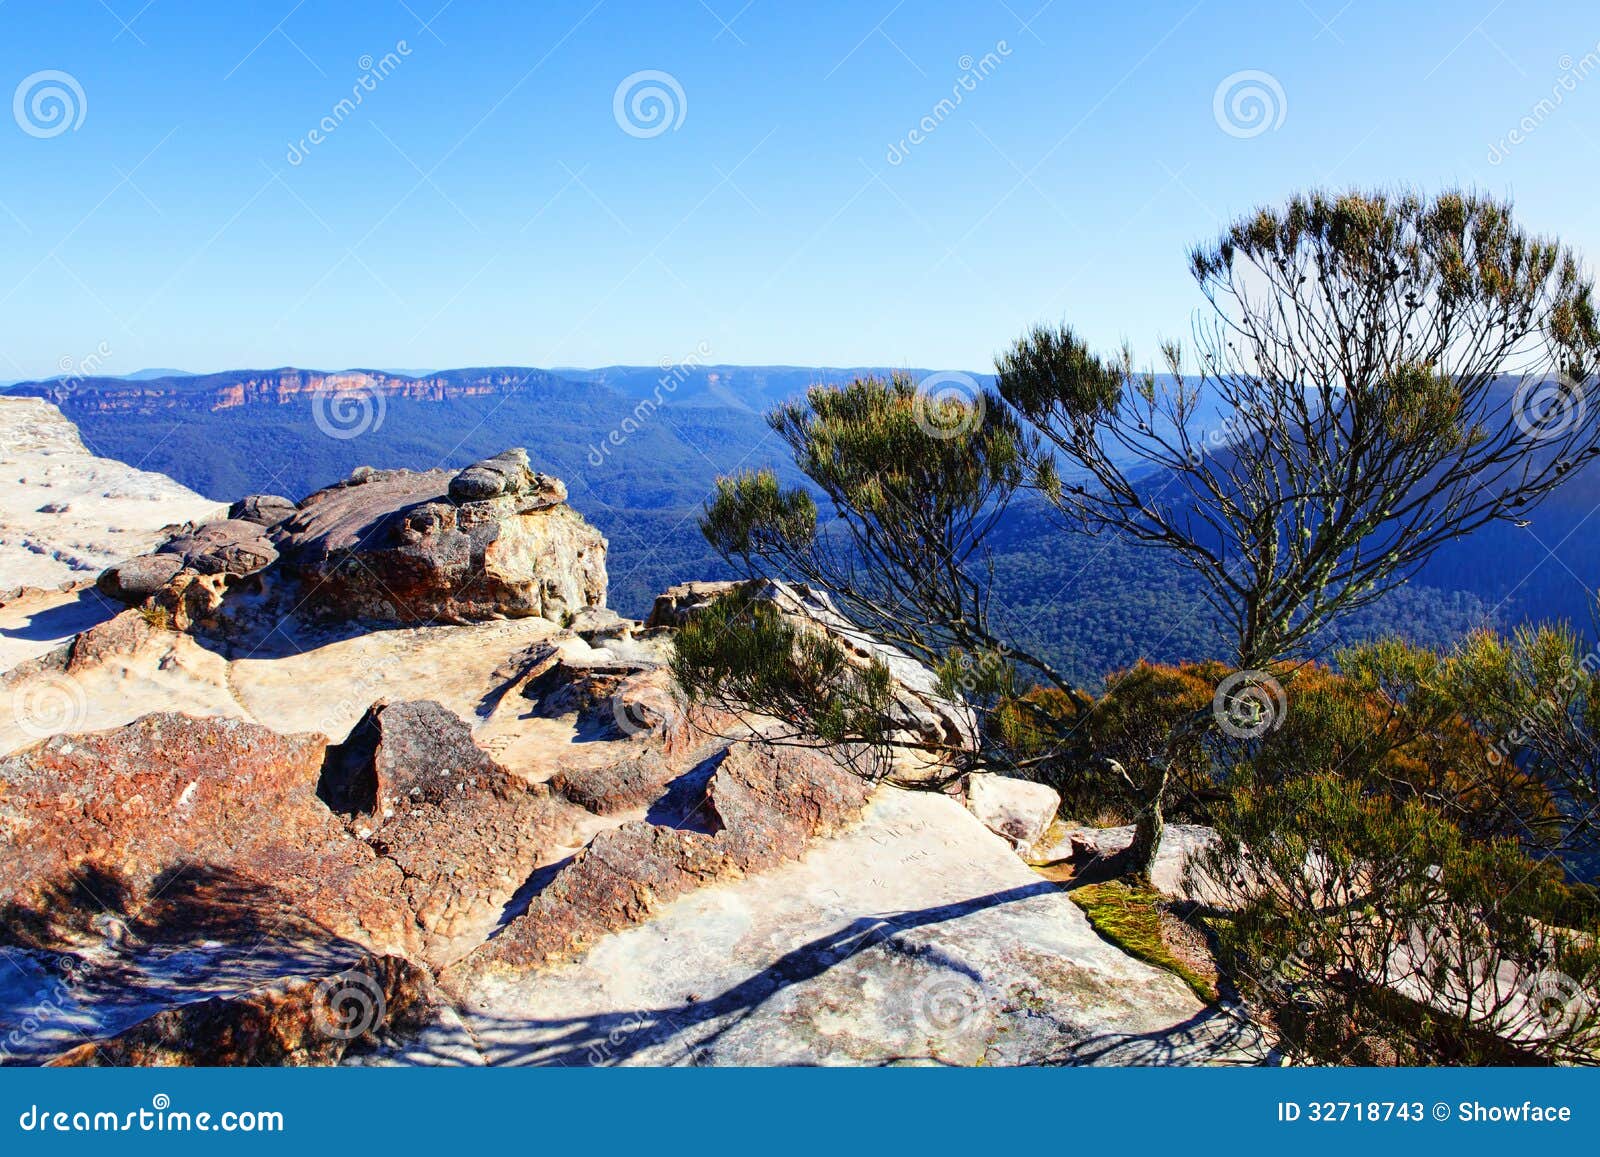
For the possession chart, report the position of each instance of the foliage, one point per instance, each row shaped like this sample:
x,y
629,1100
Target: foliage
x,y
741,650
1375,931
1356,344
915,485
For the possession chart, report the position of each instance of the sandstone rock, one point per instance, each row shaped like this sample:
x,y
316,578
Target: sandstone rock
x,y
66,515
232,546
770,802
1181,846
464,832
920,713
626,785
507,473
677,605
262,509
599,624
402,755
142,806
137,579
295,1021
915,937
193,600
1014,808
34,622
394,546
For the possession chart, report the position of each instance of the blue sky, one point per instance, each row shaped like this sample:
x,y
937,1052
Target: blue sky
x,y
483,204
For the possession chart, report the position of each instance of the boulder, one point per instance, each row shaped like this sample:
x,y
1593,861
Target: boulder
x,y
464,832
137,579
262,509
1017,809
139,809
599,625
402,755
395,546
507,474
1181,847
678,604
233,546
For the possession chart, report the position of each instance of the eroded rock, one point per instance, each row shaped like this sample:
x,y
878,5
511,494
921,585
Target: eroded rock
x,y
464,832
138,578
920,713
396,546
1017,809
141,806
262,509
770,802
233,546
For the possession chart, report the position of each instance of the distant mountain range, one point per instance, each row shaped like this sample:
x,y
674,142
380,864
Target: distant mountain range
x,y
641,446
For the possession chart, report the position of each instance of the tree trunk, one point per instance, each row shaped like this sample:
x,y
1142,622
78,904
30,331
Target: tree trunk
x,y
1148,829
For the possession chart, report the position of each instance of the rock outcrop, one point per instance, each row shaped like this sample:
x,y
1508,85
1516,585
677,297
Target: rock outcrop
x,y
915,937
66,514
141,808
769,803
398,546
920,711
464,832
1177,869
239,824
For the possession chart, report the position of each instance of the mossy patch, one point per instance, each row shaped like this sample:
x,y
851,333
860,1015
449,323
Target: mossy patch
x,y
1131,917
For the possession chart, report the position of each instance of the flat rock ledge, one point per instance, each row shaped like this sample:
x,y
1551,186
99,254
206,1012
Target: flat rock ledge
x,y
916,937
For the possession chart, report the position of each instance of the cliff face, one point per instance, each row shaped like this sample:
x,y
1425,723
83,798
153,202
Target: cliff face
x,y
226,391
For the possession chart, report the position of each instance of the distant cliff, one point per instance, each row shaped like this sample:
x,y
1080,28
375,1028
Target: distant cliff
x,y
287,386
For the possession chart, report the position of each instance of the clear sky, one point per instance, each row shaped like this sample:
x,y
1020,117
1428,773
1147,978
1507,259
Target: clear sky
x,y
492,200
